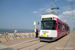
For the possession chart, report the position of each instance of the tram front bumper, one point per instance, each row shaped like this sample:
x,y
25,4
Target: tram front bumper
x,y
48,38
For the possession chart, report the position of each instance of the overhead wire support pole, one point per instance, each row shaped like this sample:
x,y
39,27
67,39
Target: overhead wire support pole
x,y
72,11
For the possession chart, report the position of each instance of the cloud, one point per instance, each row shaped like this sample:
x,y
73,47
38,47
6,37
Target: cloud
x,y
61,16
72,18
69,13
72,21
67,16
48,10
39,10
42,9
64,20
35,11
66,8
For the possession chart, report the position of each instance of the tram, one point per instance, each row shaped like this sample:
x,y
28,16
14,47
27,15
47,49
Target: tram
x,y
52,27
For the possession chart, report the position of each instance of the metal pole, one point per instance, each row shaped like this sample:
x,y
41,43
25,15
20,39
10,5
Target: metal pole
x,y
35,28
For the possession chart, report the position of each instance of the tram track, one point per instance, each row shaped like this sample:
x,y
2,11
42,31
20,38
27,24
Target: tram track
x,y
51,45
67,41
34,46
52,48
23,44
57,44
37,45
28,45
40,47
52,42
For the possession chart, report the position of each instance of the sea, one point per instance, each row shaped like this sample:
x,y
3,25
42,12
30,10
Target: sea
x,y
18,30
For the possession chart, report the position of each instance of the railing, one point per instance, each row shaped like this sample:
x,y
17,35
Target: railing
x,y
10,36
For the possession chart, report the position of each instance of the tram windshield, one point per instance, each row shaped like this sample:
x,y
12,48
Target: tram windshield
x,y
48,25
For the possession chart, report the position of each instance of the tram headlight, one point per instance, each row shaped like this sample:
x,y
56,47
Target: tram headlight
x,y
47,35
41,35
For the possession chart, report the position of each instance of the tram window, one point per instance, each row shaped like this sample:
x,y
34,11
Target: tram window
x,y
54,25
63,27
59,26
67,28
46,25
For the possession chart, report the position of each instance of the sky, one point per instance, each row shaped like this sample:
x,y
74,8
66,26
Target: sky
x,y
21,14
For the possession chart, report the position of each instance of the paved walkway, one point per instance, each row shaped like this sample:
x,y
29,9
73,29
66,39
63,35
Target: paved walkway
x,y
67,42
16,42
71,43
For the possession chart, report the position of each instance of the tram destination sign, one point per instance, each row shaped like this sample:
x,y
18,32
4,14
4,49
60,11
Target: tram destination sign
x,y
46,19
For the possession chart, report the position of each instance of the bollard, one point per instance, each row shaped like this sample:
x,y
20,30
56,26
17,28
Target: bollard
x,y
24,35
0,41
33,35
35,32
13,37
6,39
29,34
20,36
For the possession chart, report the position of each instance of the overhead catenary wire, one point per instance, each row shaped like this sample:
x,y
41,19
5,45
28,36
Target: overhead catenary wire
x,y
59,9
48,3
57,6
55,3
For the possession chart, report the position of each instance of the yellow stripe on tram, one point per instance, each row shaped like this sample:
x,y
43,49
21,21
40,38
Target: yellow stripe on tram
x,y
44,35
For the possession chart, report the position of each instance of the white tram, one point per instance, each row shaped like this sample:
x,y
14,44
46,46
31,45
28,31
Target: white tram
x,y
50,29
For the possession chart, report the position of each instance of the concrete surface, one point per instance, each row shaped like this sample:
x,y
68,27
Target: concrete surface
x,y
65,43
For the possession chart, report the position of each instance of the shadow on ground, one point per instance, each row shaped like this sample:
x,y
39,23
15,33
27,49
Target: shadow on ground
x,y
54,40
7,49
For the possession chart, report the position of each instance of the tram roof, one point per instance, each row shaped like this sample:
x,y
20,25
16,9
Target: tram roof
x,y
49,13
